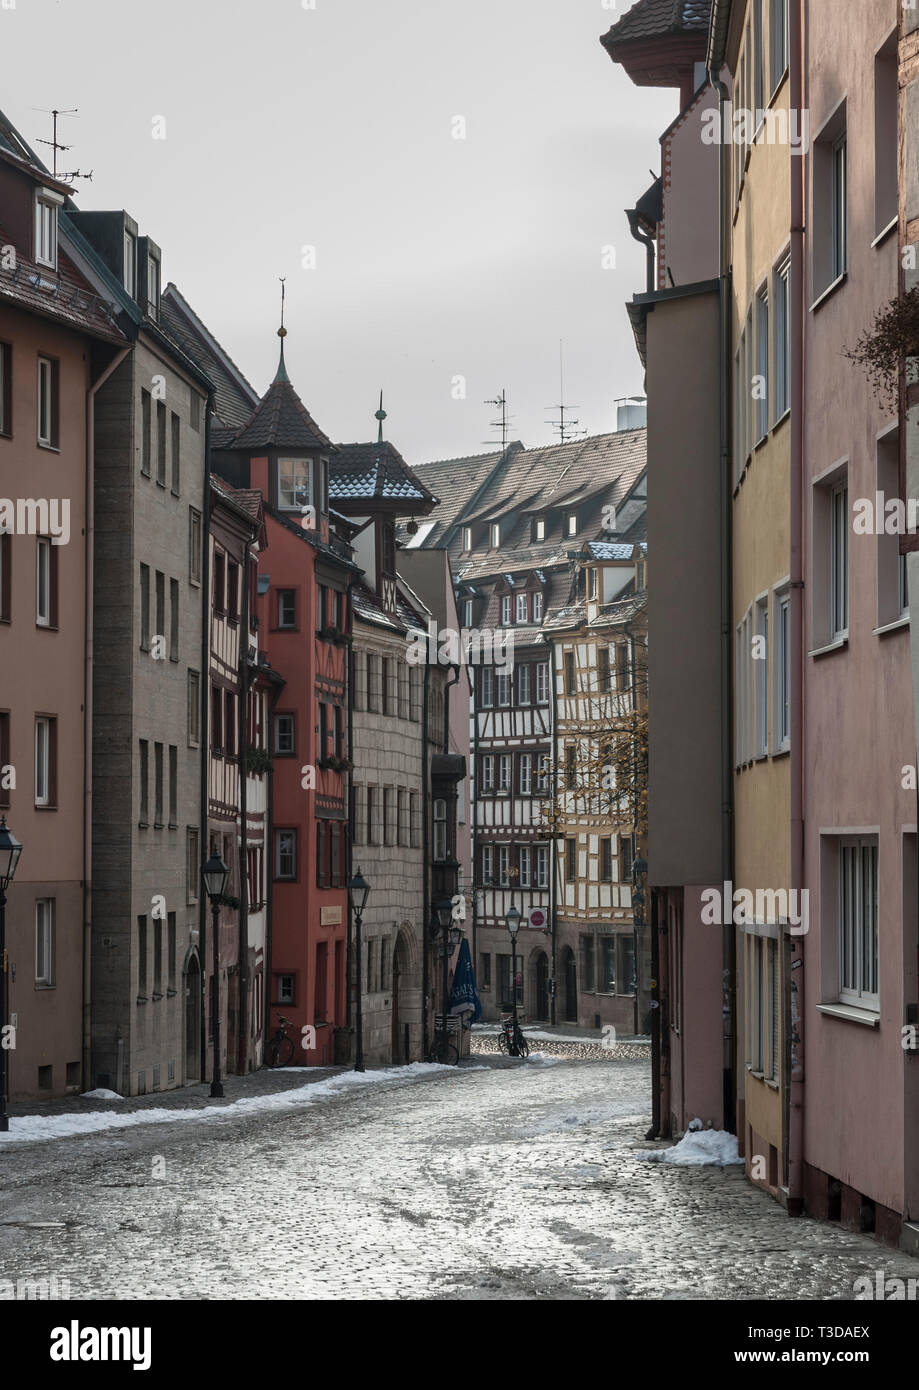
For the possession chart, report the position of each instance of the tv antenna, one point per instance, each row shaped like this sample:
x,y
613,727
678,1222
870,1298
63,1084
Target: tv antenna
x,y
503,423
56,145
565,429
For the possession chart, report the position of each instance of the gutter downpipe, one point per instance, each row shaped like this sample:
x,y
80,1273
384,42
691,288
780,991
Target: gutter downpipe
x,y
556,868
647,242
89,568
242,853
204,744
794,1015
728,947
427,907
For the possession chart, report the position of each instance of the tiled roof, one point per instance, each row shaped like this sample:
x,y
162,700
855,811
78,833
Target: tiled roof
x,y
611,550
375,470
609,615
650,19
62,294
282,421
454,482
234,398
248,500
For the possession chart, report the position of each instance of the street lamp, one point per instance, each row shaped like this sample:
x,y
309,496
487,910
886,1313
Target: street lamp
x,y
512,917
450,937
10,850
358,893
215,874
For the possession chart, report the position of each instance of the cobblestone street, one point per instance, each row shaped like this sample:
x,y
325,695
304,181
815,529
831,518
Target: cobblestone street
x,y
497,1180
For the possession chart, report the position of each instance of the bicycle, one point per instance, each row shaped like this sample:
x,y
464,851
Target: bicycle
x,y
280,1051
443,1051
511,1039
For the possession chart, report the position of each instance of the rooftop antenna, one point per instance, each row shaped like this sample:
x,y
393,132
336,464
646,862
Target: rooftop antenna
x,y
503,423
55,144
565,429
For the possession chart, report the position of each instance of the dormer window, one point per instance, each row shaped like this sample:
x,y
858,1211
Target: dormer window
x,y
506,610
521,608
571,524
46,207
467,613
592,584
467,538
295,484
153,287
495,530
640,575
130,264
537,608
539,528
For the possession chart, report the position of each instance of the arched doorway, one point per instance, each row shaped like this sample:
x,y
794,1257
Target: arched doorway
x,y
570,976
192,972
542,986
406,999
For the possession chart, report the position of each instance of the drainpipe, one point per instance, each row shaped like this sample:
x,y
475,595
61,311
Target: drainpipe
x,y
795,975
242,856
349,936
268,867
554,854
474,803
728,944
647,242
205,720
89,562
425,871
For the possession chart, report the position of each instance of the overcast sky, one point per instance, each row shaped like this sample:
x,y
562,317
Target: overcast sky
x,y
333,128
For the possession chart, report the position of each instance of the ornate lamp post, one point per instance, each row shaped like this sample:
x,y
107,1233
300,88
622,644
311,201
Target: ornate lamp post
x,y
512,917
358,893
215,874
10,850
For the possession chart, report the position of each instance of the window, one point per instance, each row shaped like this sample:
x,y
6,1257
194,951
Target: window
x,y
158,786
892,596
603,669
230,723
857,916
761,402
284,989
504,772
322,854
373,816
192,864
404,826
44,941
839,224
46,205
467,538
153,286
757,59
571,524
506,610
778,41
194,411
781,643
45,760
607,982
526,773
488,773
542,866
440,830
626,963
161,443
592,583
625,858
488,863
284,743
130,264
504,863
537,608
157,958
285,854
295,488
885,135
495,535
606,859
505,684
171,950
194,546
386,685
173,620
570,674
48,402
539,528
45,583
485,972
521,608
359,811
194,708
523,685
146,426
6,389
761,675
467,613
571,767
287,609
142,960
173,784
781,335
232,592
523,865
571,860
487,687
839,560
542,683
588,981
389,815
829,235
176,435
542,772
144,750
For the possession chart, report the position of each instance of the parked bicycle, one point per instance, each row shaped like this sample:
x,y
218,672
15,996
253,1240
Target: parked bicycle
x,y
280,1047
511,1038
443,1050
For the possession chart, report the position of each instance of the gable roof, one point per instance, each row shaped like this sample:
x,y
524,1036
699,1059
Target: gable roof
x,y
234,397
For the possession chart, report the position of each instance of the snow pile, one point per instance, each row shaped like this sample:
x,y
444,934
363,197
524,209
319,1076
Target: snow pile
x,y
697,1148
27,1129
101,1093
545,1059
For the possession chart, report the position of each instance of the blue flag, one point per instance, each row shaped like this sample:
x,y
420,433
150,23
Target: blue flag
x,y
464,997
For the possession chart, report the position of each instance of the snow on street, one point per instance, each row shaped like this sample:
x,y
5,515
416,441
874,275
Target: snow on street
x,y
504,1181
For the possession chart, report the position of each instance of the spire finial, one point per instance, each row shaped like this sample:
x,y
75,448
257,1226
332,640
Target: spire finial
x,y
381,416
281,374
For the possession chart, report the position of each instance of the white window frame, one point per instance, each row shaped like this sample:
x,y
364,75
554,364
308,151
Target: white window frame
x,y
279,854
523,685
540,528
781,668
488,687
521,608
494,531
781,339
542,683
761,677
298,476
45,402
130,263
505,691
855,930
488,772
505,774
838,555
278,724
44,942
467,613
524,864
504,863
43,581
46,211
43,761
467,538
778,42
505,610
839,216
526,774
762,361
488,863
537,608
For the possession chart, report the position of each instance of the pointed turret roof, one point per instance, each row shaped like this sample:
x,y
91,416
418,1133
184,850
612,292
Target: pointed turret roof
x,y
281,420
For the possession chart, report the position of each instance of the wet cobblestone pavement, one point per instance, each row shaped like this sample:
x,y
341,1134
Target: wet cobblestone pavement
x,y
494,1180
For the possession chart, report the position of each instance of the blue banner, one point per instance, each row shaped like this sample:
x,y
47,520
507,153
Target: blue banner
x,y
464,997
